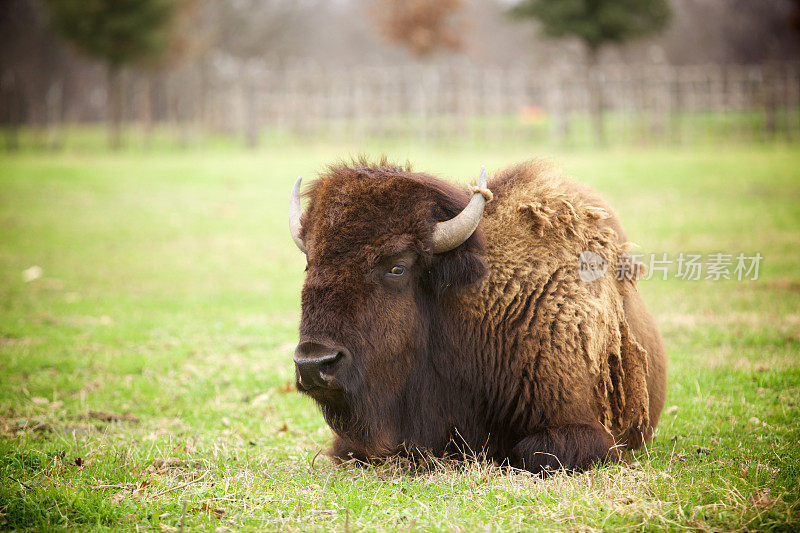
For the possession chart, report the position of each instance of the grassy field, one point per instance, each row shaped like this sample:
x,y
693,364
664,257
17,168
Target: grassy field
x,y
147,370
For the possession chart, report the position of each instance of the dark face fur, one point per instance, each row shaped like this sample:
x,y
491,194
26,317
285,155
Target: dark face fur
x,y
373,292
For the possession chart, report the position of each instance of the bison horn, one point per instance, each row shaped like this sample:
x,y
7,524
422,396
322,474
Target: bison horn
x,y
452,233
295,212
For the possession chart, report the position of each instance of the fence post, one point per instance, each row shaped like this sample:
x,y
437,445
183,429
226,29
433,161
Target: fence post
x,y
250,112
791,101
559,124
54,113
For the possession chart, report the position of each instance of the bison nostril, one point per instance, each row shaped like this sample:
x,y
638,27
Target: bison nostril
x,y
317,364
327,365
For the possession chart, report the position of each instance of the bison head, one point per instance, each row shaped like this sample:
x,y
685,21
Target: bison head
x,y
385,248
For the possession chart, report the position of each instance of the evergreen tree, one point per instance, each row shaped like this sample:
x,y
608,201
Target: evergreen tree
x,y
597,23
119,32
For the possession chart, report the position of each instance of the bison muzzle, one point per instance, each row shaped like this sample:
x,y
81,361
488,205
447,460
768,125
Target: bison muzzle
x,y
445,320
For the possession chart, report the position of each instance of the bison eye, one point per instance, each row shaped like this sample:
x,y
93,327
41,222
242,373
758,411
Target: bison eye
x,y
397,271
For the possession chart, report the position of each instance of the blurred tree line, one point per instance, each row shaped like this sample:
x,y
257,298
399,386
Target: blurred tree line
x,y
54,54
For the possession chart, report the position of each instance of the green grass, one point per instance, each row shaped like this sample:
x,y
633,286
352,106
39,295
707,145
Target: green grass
x,y
170,293
572,131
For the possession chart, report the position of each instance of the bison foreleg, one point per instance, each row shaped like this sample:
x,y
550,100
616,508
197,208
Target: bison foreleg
x,y
571,447
343,450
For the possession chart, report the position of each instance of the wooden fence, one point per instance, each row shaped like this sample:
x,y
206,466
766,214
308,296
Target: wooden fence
x,y
659,104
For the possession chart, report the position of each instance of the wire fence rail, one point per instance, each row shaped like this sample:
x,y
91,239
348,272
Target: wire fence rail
x,y
456,103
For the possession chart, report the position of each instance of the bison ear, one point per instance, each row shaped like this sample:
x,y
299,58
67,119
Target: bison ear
x,y
455,269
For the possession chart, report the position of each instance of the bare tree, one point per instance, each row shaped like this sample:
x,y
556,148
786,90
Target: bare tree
x,y
190,41
257,32
421,26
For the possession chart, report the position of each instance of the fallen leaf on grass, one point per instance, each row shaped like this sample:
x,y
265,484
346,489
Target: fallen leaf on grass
x,y
703,450
762,499
138,493
287,387
219,512
32,274
284,428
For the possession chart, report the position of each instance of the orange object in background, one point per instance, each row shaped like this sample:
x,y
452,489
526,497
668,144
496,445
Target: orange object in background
x,y
531,114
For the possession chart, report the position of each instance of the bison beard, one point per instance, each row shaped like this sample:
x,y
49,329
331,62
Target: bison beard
x,y
495,346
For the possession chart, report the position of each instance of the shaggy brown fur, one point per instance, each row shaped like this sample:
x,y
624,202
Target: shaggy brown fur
x,y
497,346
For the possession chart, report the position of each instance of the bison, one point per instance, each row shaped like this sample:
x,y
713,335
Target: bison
x,y
438,319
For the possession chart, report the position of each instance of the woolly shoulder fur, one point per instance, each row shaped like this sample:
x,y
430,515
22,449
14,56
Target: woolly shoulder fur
x,y
561,334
